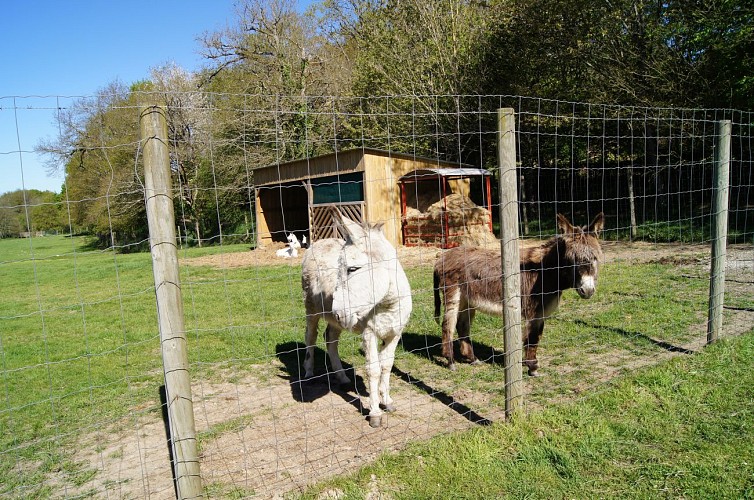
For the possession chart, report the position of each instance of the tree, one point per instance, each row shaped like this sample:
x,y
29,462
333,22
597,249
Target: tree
x,y
635,61
12,217
717,38
541,48
412,63
97,148
272,78
278,69
189,132
30,210
9,225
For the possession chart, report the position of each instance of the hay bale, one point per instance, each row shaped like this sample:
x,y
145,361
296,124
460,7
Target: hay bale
x,y
468,223
421,201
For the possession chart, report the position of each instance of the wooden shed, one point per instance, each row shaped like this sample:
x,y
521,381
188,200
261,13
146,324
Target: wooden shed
x,y
301,196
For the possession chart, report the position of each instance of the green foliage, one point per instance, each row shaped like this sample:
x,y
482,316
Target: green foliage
x,y
716,39
97,147
31,211
444,42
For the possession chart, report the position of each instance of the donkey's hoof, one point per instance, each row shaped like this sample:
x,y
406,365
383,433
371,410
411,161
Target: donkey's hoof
x,y
534,373
476,362
388,408
375,420
452,367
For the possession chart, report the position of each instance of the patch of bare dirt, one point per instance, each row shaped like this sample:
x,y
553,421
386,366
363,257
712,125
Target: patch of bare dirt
x,y
257,257
268,437
409,256
643,252
661,253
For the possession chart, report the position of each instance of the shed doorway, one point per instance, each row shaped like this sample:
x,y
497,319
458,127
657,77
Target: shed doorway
x,y
286,210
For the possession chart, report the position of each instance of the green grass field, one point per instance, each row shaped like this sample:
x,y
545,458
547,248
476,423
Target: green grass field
x,y
79,345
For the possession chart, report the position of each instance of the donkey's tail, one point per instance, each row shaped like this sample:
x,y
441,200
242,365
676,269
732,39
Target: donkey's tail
x,y
436,287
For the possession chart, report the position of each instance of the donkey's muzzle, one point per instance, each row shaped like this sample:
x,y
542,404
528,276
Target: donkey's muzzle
x,y
587,288
345,319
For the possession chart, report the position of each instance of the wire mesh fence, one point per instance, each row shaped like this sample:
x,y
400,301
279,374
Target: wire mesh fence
x,y
81,364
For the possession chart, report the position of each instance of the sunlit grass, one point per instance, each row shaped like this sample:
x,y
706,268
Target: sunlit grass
x,y
681,429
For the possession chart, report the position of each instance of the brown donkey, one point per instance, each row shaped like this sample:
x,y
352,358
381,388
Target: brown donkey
x,y
471,280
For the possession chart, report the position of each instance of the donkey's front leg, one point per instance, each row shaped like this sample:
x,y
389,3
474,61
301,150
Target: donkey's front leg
x,y
532,333
465,319
371,352
387,358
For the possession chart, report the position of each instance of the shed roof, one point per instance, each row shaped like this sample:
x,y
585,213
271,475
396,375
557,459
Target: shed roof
x,y
447,173
340,162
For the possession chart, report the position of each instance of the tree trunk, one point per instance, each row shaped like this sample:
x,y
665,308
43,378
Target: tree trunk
x,y
524,207
631,201
198,232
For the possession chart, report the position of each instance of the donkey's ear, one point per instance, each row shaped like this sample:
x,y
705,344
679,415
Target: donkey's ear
x,y
353,230
597,224
564,224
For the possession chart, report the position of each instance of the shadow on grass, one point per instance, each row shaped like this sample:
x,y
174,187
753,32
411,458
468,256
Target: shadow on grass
x,y
291,354
637,335
169,438
443,398
430,347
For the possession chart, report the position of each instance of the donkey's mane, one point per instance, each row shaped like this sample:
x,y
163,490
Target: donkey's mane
x,y
535,255
578,246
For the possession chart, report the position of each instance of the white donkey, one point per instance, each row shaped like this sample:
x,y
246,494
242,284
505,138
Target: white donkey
x,y
357,284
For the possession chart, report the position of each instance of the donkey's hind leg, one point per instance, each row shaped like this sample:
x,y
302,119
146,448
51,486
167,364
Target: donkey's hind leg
x,y
465,318
449,321
312,321
332,336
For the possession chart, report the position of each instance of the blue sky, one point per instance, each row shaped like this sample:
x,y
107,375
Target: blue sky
x,y
73,48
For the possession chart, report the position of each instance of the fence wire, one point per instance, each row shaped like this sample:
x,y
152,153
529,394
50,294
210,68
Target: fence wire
x,y
81,412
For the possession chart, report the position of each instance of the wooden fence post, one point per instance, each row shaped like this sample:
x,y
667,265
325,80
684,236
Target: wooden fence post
x,y
719,230
510,257
162,242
